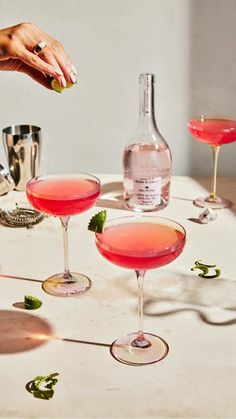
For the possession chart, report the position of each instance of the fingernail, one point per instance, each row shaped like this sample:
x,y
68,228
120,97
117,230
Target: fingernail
x,y
73,69
58,71
63,81
72,77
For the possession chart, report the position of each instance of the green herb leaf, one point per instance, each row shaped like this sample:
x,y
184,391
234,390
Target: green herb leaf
x,y
41,386
32,303
97,222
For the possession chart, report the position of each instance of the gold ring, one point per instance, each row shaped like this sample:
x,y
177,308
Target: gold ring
x,y
39,47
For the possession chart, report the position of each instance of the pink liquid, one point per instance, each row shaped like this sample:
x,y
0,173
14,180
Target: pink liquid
x,y
213,131
62,196
149,167
140,245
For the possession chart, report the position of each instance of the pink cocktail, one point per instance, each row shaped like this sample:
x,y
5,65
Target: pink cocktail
x,y
140,243
214,131
63,196
59,196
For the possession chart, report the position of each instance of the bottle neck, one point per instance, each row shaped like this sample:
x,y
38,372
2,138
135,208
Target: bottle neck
x,y
146,101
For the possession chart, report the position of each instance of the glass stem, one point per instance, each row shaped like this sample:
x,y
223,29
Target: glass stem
x,y
64,222
140,341
215,151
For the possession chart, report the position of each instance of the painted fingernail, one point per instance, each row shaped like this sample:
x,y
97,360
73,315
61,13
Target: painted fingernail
x,y
63,81
73,69
72,77
58,71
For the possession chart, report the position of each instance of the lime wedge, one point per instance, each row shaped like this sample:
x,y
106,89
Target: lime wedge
x,y
69,85
32,303
58,88
55,86
97,222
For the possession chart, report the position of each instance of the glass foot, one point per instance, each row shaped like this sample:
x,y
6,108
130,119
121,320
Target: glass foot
x,y
125,350
208,202
61,287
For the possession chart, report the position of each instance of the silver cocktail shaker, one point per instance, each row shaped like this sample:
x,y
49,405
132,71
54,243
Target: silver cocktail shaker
x,y
6,181
22,144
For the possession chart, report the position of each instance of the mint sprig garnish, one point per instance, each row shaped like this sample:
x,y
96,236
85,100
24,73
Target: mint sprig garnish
x,y
42,386
97,222
205,270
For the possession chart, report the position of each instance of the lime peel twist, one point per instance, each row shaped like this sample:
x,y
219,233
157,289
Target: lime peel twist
x,y
205,269
32,303
42,387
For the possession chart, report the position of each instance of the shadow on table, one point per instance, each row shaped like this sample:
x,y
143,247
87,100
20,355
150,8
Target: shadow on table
x,y
85,342
112,193
224,189
203,316
213,300
111,196
22,331
20,278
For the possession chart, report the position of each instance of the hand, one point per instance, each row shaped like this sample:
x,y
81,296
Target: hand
x,y
17,45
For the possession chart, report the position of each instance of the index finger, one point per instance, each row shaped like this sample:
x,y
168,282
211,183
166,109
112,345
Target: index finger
x,y
36,62
63,61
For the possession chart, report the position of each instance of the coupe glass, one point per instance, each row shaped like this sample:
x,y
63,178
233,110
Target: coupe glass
x,y
62,196
140,242
215,131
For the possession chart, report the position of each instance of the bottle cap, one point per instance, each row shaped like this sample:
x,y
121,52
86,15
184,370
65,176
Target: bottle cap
x,y
147,77
7,184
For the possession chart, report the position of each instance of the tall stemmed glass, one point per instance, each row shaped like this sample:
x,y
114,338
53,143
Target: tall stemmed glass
x,y
140,243
215,131
64,196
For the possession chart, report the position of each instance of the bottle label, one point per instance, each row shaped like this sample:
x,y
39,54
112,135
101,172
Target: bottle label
x,y
147,191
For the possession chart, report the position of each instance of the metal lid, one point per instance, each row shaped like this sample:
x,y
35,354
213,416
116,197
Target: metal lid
x,y
7,184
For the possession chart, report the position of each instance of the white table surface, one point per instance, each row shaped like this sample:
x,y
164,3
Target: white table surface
x,y
196,317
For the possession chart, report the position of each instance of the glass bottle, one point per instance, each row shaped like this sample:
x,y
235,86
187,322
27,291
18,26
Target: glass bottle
x,y
147,162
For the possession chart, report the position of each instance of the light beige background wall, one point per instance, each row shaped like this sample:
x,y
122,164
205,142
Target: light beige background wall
x,y
189,44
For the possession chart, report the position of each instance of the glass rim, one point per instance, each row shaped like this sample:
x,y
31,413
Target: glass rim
x,y
84,176
21,129
211,116
50,175
152,252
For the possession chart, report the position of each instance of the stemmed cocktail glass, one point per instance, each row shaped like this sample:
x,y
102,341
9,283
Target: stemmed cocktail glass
x,y
140,243
215,131
63,196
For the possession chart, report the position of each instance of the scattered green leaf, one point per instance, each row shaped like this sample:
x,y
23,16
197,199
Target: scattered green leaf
x,y
42,387
97,222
